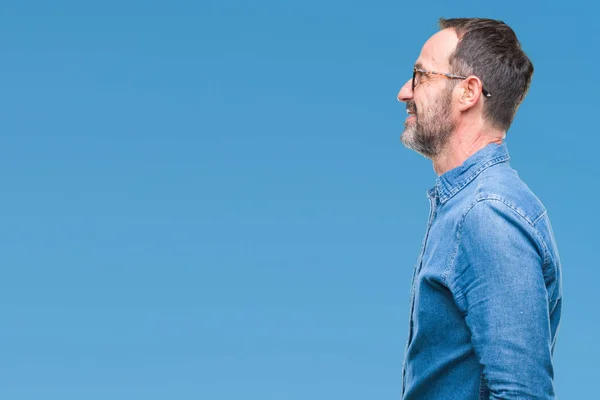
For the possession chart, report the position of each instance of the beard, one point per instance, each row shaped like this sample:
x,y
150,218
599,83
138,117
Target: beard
x,y
429,133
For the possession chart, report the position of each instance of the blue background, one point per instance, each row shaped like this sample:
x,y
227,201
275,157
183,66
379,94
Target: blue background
x,y
209,200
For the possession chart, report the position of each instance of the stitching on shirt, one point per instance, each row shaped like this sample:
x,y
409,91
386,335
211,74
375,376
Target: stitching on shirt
x,y
482,386
510,205
547,255
542,241
540,217
481,198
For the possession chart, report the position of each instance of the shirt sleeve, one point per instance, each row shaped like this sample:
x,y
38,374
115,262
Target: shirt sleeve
x,y
499,285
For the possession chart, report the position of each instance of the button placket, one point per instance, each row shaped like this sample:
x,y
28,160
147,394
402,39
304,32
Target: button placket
x,y
433,199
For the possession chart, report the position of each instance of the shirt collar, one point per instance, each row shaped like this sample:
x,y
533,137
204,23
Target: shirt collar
x,y
451,182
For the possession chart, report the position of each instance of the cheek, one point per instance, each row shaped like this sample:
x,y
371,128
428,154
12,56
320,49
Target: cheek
x,y
423,108
423,104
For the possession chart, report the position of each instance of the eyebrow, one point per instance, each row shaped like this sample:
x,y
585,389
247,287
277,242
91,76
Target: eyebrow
x,y
419,65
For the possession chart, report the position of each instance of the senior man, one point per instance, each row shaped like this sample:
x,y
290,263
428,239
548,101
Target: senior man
x,y
486,292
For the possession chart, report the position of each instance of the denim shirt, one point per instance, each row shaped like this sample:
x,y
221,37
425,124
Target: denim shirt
x,y
486,291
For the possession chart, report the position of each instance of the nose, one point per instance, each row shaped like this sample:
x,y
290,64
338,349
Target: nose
x,y
406,94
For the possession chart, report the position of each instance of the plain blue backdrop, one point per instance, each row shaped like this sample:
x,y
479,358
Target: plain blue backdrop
x,y
209,200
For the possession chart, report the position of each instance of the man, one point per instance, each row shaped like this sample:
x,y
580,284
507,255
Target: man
x,y
486,292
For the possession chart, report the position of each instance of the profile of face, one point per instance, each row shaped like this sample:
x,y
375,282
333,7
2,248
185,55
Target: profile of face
x,y
430,123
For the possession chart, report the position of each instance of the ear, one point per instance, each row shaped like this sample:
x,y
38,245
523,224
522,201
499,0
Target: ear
x,y
470,92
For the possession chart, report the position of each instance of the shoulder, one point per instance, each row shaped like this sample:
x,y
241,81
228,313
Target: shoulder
x,y
500,189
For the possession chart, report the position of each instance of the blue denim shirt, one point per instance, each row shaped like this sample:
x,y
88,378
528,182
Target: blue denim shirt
x,y
486,292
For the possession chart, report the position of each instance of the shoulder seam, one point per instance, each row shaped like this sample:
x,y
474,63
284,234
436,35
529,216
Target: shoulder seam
x,y
480,199
540,217
512,206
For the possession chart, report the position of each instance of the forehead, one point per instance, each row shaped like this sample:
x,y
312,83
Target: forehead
x,y
437,50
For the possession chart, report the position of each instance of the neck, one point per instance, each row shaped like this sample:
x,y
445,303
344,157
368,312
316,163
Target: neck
x,y
462,146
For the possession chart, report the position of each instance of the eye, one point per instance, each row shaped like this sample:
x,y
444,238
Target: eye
x,y
418,76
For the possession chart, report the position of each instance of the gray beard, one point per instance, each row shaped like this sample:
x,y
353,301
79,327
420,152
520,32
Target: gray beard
x,y
427,142
430,134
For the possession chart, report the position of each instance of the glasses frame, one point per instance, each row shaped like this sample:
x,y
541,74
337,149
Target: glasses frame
x,y
449,76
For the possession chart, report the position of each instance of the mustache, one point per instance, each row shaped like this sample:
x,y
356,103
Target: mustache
x,y
411,106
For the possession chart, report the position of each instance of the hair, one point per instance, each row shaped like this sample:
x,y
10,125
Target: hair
x,y
490,50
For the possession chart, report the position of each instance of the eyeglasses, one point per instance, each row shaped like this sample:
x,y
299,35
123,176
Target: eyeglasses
x,y
417,77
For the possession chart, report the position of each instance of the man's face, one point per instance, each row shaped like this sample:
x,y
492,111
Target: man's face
x,y
430,123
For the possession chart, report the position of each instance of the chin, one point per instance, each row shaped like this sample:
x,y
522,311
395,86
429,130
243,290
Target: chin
x,y
409,130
